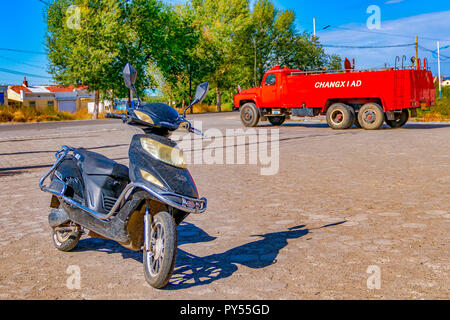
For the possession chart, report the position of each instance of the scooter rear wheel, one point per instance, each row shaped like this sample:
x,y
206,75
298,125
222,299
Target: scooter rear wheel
x,y
65,239
159,259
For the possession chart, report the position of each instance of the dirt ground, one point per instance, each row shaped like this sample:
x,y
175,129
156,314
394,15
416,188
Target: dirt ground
x,y
350,214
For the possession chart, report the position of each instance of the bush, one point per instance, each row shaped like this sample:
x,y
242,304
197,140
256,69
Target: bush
x,y
19,116
440,111
6,114
29,114
204,108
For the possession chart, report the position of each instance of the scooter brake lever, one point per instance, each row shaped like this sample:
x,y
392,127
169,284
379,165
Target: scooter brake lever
x,y
196,131
126,119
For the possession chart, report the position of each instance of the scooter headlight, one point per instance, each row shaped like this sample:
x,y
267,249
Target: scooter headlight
x,y
167,154
150,178
143,116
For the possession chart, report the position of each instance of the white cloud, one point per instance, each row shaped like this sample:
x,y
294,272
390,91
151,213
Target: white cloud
x,y
429,27
393,1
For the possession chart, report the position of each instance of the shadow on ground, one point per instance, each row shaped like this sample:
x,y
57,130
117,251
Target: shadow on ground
x,y
187,233
426,125
410,125
191,270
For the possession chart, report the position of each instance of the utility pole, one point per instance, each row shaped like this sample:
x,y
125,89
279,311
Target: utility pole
x,y
417,53
254,45
439,70
314,26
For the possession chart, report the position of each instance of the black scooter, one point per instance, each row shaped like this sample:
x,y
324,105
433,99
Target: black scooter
x,y
140,206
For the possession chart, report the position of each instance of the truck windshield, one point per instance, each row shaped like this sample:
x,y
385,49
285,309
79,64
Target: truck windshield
x,y
271,79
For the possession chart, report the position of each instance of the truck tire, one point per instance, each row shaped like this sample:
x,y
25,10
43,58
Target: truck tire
x,y
250,114
371,116
276,121
340,116
399,121
356,123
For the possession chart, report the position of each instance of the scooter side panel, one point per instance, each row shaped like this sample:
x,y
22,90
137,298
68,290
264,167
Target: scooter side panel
x,y
69,172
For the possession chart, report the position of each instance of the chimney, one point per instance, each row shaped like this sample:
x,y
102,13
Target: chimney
x,y
25,82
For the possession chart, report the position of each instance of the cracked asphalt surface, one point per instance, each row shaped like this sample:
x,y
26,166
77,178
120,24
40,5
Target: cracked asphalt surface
x,y
343,203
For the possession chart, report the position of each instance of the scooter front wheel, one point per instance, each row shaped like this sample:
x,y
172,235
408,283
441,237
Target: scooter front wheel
x,y
159,259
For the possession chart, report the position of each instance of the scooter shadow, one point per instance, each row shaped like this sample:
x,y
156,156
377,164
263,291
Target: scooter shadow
x,y
187,233
191,270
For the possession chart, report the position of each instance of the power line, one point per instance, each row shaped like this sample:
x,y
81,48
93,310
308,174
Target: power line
x,y
434,51
22,51
23,73
366,47
24,63
382,33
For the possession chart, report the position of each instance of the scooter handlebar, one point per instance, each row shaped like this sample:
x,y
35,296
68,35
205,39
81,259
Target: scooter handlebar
x,y
114,115
191,129
122,116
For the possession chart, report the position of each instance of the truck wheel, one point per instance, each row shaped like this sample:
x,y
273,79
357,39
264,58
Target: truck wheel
x,y
250,114
276,121
340,116
400,119
371,116
356,123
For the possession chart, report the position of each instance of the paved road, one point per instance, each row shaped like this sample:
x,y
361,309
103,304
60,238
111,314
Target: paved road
x,y
350,214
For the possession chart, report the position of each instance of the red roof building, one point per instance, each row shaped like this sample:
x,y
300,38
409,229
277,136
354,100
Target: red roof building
x,y
61,98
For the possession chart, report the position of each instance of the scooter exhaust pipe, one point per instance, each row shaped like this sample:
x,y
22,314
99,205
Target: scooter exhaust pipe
x,y
57,217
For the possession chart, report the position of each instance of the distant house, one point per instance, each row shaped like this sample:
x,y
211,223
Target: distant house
x,y
3,96
445,82
68,99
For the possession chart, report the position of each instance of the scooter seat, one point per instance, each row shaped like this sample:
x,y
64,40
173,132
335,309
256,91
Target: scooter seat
x,y
93,163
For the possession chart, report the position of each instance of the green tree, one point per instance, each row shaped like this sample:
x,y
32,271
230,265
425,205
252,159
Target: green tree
x,y
276,41
83,41
224,26
334,62
181,66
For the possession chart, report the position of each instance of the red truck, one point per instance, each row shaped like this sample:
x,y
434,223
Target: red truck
x,y
364,98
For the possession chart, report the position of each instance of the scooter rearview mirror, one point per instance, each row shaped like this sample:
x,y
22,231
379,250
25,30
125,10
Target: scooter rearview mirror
x,y
129,75
200,93
202,90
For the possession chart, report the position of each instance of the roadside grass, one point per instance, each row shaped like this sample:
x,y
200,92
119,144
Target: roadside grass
x,y
30,114
204,108
439,112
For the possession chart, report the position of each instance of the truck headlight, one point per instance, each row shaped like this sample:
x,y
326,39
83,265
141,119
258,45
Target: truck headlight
x,y
167,154
151,178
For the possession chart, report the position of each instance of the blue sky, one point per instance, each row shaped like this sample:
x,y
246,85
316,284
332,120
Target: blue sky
x,y
23,28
